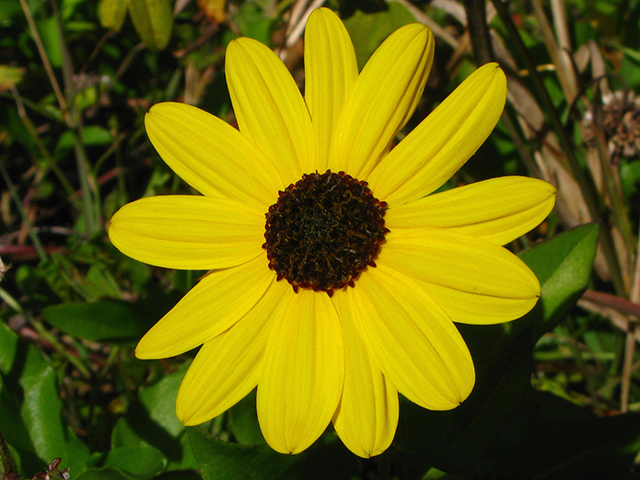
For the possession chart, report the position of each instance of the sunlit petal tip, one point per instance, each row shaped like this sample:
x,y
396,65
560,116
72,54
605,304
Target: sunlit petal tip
x,y
225,369
428,156
145,350
269,107
384,96
367,416
504,208
210,155
331,70
303,372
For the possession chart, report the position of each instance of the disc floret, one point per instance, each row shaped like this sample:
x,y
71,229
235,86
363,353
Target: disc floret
x,y
323,231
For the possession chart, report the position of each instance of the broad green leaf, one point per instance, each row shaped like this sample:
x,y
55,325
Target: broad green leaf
x,y
243,421
14,430
142,462
152,421
48,31
568,442
327,459
563,266
105,320
368,30
107,473
457,440
153,20
109,320
112,13
31,386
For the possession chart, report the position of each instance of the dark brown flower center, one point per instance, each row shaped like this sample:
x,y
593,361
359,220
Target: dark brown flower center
x,y
323,231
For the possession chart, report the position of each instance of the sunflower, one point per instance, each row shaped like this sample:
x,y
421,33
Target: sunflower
x,y
336,278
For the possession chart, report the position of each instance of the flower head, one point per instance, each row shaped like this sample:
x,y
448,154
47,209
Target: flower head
x,y
336,278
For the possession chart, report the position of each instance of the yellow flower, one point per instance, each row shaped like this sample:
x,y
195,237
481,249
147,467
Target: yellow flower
x,y
347,293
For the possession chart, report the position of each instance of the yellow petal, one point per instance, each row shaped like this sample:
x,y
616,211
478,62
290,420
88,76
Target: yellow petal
x,y
215,304
367,415
228,366
188,232
330,71
383,99
444,141
499,210
210,155
411,339
303,371
269,108
477,309
470,268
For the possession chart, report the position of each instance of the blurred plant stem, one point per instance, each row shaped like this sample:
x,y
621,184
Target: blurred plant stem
x,y
42,254
592,198
479,31
90,201
630,341
62,350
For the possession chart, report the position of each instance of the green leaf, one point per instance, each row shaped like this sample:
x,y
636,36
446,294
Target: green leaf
x,y
10,9
153,20
152,421
327,459
14,429
253,23
368,30
8,349
103,321
48,30
69,7
112,13
107,473
563,266
109,320
243,421
142,462
10,76
568,442
31,384
456,441
92,135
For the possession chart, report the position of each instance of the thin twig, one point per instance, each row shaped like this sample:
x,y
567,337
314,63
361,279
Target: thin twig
x,y
437,30
565,65
479,31
42,254
90,201
589,190
296,26
45,59
630,344
62,350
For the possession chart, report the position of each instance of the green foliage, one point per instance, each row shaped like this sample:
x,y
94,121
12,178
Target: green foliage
x,y
563,266
112,13
153,21
369,29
